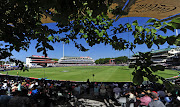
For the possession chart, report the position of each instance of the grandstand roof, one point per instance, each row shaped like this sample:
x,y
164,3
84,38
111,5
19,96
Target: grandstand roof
x,y
76,57
37,56
44,62
157,51
161,50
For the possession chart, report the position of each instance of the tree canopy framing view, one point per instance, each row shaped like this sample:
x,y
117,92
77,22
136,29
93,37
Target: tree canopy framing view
x,y
79,19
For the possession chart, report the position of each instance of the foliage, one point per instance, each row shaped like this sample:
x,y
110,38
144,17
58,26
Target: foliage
x,y
2,62
55,59
118,60
143,67
148,35
122,59
19,63
21,23
102,61
79,19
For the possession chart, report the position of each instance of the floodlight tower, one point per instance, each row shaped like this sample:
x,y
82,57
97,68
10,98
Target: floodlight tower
x,y
63,49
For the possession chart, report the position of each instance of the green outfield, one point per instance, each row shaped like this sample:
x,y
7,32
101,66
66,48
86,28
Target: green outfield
x,y
82,73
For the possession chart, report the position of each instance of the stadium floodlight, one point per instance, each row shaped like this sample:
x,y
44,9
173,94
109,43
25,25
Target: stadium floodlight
x,y
63,50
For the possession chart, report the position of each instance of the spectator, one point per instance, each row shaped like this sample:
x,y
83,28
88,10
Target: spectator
x,y
116,91
109,91
4,99
19,86
103,92
45,92
145,99
77,91
156,102
4,87
96,91
19,101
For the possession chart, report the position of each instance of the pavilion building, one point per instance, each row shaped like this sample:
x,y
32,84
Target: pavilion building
x,y
76,60
165,57
39,61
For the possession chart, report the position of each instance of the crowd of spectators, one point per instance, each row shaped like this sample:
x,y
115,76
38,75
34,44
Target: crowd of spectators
x,y
26,92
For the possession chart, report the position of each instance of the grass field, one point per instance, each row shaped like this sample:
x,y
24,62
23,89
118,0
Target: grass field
x,y
82,73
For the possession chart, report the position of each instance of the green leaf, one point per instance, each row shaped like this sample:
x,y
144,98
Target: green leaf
x,y
152,78
97,31
137,79
169,24
101,33
164,30
81,31
176,25
171,40
162,39
129,26
168,86
177,43
115,31
170,28
89,12
154,68
39,49
67,41
149,45
151,20
140,28
157,26
178,37
85,36
176,20
50,47
50,38
153,30
131,66
147,30
135,23
160,67
6,45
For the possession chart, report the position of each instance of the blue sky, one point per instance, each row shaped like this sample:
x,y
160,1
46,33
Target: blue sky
x,y
96,52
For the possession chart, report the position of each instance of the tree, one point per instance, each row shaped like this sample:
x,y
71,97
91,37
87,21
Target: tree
x,y
102,61
118,60
148,35
55,59
21,23
122,59
2,62
106,60
79,19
